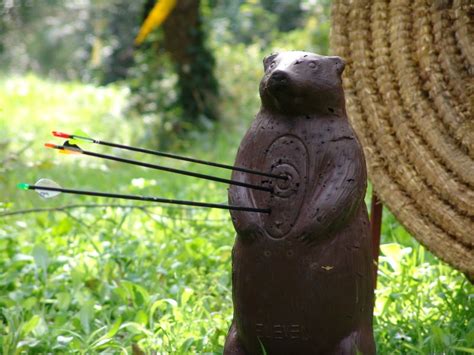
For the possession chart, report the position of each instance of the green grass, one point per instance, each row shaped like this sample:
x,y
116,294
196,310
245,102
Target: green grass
x,y
103,279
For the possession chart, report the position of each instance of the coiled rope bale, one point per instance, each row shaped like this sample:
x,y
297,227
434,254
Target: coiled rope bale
x,y
409,92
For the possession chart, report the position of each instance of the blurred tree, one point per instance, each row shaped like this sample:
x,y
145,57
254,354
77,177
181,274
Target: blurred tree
x,y
184,40
289,13
115,24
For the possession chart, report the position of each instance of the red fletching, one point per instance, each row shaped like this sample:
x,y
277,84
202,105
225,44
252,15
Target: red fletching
x,y
61,134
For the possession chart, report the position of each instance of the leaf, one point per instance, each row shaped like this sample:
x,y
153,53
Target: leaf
x,y
186,345
22,257
157,15
64,299
29,302
136,328
95,333
101,342
264,351
92,283
29,342
140,295
63,227
141,317
161,302
41,328
186,295
29,326
40,254
62,340
394,254
114,329
74,335
86,314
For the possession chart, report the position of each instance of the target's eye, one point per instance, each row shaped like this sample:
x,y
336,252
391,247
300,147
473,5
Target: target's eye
x,y
313,65
269,62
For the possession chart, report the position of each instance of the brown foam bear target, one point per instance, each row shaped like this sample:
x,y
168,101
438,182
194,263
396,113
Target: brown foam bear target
x,y
302,275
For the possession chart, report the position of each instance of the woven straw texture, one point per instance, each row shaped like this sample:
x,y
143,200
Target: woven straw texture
x,y
409,92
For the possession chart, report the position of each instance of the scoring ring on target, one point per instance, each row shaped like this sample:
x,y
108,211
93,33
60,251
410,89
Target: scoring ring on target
x,y
288,187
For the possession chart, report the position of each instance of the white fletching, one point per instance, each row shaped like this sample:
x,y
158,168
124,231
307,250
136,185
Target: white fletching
x,y
47,183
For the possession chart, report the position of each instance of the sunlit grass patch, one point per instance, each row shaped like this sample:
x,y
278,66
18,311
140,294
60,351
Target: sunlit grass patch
x,y
422,305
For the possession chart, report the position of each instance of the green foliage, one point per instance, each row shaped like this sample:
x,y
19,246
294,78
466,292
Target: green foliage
x,y
197,84
103,279
267,22
422,305
242,31
180,45
153,95
289,13
112,279
90,41
92,279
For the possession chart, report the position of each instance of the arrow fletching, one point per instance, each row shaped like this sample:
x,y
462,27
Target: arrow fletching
x,y
76,138
71,147
80,137
67,148
61,134
46,183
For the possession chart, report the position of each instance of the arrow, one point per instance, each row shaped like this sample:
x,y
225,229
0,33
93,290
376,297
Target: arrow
x,y
48,189
83,138
74,149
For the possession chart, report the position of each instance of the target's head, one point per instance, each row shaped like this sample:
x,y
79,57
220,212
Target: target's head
x,y
297,83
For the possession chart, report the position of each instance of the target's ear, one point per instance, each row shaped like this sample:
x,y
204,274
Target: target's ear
x,y
267,61
339,62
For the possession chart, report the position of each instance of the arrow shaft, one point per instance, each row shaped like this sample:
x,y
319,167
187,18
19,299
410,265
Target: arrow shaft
x,y
173,170
179,157
150,199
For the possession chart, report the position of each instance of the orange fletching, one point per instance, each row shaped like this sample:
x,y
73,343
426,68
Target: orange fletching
x,y
67,151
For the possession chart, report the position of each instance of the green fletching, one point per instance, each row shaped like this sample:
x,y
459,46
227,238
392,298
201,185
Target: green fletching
x,y
80,137
80,132
23,186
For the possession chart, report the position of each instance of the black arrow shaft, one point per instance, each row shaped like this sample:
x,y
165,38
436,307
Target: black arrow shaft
x,y
180,157
173,170
150,199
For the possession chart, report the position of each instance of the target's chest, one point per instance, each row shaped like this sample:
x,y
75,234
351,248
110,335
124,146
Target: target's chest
x,y
293,149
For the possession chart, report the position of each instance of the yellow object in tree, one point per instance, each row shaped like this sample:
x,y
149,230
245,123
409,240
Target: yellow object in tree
x,y
157,15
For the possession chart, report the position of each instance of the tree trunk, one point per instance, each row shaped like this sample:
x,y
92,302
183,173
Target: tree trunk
x,y
184,41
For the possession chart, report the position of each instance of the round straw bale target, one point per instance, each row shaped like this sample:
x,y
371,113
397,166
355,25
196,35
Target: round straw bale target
x,y
409,91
